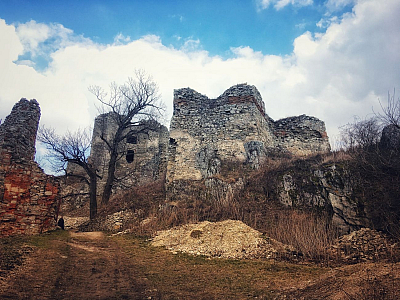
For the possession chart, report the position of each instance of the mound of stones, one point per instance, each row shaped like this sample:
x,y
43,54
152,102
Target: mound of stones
x,y
227,239
364,245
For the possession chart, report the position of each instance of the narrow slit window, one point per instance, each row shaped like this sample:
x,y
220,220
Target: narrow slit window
x,y
130,156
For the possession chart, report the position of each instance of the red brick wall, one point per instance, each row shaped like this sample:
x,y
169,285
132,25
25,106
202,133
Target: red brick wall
x,y
29,199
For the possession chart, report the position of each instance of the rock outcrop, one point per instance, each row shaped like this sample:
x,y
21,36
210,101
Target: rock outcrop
x,y
28,198
328,187
364,245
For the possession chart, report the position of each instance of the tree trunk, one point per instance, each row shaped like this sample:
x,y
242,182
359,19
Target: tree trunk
x,y
93,195
110,178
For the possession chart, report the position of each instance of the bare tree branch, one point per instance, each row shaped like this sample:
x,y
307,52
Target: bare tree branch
x,y
71,149
391,112
131,106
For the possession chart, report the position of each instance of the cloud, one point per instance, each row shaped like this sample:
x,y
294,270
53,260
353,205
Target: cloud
x,y
279,4
326,22
332,75
337,5
191,45
179,17
40,38
120,39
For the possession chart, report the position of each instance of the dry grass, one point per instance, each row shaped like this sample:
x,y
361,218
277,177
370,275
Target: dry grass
x,y
308,232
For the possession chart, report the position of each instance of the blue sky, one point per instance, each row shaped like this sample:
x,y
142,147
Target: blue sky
x,y
332,59
219,25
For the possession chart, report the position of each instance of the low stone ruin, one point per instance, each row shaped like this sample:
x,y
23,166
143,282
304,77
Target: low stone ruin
x,y
29,198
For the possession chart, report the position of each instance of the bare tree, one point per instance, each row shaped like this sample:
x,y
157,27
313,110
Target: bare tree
x,y
360,134
391,112
72,148
129,105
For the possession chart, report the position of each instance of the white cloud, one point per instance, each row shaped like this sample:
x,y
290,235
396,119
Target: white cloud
x,y
11,46
279,4
31,34
191,45
332,75
337,5
326,22
120,39
42,39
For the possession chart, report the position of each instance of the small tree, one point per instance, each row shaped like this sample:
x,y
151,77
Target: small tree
x,y
361,134
129,104
375,166
391,112
72,148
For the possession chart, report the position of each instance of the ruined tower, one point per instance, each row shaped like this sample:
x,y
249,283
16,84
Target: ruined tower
x,y
28,198
143,152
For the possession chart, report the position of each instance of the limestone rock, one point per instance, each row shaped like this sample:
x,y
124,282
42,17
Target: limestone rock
x,y
328,187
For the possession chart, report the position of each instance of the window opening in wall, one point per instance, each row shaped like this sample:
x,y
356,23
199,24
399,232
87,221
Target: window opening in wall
x,y
172,142
131,139
130,154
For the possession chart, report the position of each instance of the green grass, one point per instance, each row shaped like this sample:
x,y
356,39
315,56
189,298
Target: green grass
x,y
44,240
14,249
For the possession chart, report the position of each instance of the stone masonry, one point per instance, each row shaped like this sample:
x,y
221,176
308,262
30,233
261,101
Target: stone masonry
x,y
207,133
29,198
143,152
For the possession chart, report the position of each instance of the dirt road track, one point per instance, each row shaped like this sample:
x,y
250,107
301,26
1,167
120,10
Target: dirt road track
x,y
84,266
70,265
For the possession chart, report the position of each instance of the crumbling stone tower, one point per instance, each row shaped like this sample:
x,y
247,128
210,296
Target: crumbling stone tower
x,y
207,133
143,152
28,198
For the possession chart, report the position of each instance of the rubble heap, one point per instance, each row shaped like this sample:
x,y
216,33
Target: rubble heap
x,y
364,245
226,239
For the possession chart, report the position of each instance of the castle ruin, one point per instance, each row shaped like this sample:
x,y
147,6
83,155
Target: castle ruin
x,y
143,152
207,133
29,198
204,135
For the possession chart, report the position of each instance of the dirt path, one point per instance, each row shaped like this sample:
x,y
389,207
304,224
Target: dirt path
x,y
82,266
71,265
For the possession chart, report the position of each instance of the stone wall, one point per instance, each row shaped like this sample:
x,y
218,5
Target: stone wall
x,y
204,131
143,152
302,135
207,133
28,198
